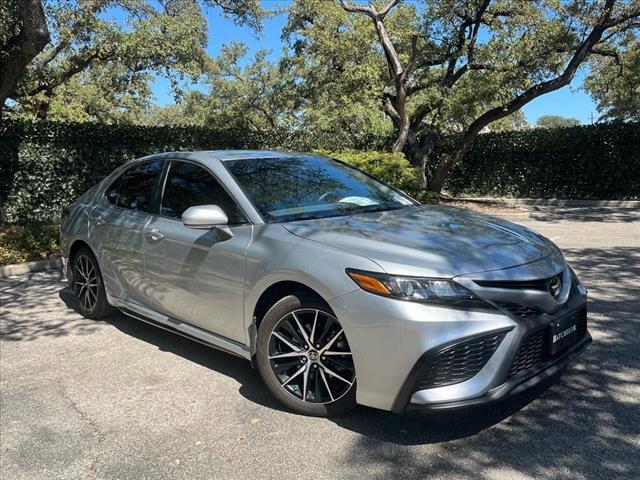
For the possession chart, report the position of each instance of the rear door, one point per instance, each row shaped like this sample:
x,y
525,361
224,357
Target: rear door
x,y
118,224
197,276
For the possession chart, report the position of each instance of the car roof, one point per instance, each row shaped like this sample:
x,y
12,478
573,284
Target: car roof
x,y
224,155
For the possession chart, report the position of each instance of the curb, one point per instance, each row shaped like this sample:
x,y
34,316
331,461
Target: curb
x,y
30,267
554,202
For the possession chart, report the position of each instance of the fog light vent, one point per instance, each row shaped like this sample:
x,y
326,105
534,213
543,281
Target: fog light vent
x,y
459,362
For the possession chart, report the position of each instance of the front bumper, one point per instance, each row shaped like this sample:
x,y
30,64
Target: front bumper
x,y
393,340
510,388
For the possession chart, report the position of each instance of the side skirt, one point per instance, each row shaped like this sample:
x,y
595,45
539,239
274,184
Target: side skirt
x,y
181,328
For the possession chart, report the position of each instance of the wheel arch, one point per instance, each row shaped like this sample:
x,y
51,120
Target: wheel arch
x,y
277,291
268,297
76,245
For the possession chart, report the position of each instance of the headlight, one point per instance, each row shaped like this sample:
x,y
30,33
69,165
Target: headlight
x,y
428,290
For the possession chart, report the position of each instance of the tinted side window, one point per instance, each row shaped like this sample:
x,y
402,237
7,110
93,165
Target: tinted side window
x,y
136,188
189,185
112,192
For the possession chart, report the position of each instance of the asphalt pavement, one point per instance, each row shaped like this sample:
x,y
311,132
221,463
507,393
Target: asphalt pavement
x,y
119,399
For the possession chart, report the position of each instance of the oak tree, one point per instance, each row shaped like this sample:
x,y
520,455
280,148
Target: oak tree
x,y
453,65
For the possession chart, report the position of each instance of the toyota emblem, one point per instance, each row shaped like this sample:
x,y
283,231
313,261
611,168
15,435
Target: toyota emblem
x,y
555,285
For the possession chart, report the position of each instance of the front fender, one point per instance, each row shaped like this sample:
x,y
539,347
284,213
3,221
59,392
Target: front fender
x,y
276,255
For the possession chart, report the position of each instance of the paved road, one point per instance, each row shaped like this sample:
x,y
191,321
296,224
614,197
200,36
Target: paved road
x,y
120,399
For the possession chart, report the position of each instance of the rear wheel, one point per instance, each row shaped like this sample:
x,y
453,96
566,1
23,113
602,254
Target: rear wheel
x,y
88,287
304,357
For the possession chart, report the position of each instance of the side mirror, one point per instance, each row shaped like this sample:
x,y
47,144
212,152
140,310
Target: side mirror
x,y
204,216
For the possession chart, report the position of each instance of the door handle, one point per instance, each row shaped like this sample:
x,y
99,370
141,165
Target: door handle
x,y
154,234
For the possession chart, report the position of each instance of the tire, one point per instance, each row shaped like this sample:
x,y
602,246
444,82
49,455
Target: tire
x,y
285,365
88,286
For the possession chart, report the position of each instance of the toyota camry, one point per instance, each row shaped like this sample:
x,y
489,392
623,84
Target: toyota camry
x,y
337,287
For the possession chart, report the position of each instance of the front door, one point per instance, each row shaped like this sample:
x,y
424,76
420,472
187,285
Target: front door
x,y
197,276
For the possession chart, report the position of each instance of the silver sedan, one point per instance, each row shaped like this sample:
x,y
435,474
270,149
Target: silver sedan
x,y
338,288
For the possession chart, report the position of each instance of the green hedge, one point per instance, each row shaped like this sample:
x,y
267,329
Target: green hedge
x,y
45,165
586,162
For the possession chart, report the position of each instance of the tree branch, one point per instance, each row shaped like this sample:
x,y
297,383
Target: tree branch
x,y
22,48
47,57
389,6
390,110
353,8
585,48
78,64
369,9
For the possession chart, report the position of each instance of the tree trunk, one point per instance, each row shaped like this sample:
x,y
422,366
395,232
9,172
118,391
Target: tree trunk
x,y
19,50
404,125
419,152
436,182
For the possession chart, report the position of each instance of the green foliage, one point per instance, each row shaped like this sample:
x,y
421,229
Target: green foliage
x,y
91,54
340,64
614,83
337,68
586,162
390,167
22,243
45,165
556,121
242,92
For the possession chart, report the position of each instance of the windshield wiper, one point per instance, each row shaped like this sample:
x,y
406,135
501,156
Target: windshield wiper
x,y
344,211
300,216
376,208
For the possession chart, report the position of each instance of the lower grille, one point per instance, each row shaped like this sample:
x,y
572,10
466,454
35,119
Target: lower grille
x,y
581,324
532,348
531,353
459,362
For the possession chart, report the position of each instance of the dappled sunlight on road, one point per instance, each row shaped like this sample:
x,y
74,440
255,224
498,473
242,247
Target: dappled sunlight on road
x,y
78,396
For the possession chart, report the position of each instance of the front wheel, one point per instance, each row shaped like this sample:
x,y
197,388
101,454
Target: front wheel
x,y
88,287
304,357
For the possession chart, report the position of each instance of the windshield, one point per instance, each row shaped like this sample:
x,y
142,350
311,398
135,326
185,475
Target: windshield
x,y
297,188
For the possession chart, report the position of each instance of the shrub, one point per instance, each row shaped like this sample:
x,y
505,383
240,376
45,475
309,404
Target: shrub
x,y
390,167
22,243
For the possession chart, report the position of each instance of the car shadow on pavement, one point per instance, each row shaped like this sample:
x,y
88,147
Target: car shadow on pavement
x,y
582,425
229,365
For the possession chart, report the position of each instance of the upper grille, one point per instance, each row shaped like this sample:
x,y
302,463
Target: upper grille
x,y
531,351
538,284
459,362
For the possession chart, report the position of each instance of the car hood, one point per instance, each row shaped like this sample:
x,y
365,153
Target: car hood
x,y
429,240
